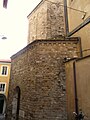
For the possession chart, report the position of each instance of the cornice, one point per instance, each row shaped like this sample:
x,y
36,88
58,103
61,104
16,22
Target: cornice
x,y
46,42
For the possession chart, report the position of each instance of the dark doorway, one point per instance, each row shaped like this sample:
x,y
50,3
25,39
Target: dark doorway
x,y
1,104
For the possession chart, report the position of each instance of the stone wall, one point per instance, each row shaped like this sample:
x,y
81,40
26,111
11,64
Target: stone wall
x,y
46,20
39,71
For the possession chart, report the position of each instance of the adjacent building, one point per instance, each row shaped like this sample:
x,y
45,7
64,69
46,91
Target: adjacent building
x,y
5,66
77,70
77,85
79,22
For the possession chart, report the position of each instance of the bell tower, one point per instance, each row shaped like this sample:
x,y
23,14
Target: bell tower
x,y
46,21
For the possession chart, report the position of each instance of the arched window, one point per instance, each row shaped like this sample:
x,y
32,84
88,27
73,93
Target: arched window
x,y
16,103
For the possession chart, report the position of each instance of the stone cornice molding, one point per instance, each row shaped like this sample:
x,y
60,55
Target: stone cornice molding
x,y
32,45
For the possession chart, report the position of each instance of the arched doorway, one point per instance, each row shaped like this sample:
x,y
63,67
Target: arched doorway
x,y
2,103
16,103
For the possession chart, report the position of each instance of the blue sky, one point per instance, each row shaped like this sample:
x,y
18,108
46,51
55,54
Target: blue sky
x,y
14,25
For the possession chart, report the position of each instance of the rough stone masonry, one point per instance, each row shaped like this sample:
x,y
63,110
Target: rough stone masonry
x,y
38,70
46,21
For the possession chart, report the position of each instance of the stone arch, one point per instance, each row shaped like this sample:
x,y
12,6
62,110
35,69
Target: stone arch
x,y
16,103
2,104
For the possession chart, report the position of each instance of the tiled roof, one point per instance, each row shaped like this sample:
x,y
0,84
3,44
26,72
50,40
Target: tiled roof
x,y
5,60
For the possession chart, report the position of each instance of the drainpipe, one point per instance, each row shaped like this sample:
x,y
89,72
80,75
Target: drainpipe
x,y
75,89
66,17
